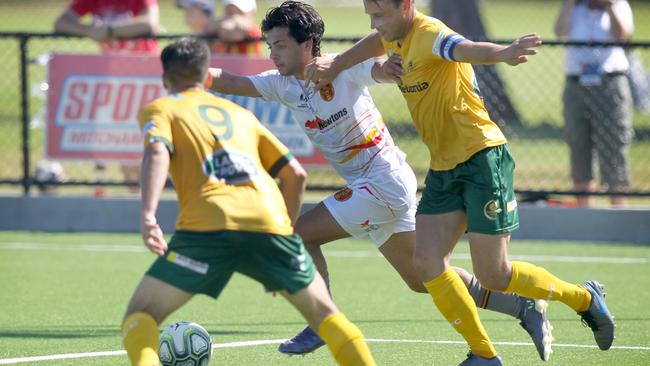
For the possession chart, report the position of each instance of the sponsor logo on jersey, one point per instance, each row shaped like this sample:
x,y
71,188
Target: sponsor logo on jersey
x,y
230,167
343,195
187,262
321,124
368,227
491,210
327,92
415,88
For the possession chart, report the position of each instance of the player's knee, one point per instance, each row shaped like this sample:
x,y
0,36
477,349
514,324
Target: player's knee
x,y
416,286
493,280
144,307
427,266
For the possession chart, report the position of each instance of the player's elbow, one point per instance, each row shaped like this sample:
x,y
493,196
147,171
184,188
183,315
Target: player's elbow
x,y
293,174
157,151
299,175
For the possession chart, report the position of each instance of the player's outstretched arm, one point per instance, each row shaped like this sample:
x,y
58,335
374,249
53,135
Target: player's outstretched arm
x,y
322,70
155,165
491,53
293,181
228,83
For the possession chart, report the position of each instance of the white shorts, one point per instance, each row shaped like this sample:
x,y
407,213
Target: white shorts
x,y
377,207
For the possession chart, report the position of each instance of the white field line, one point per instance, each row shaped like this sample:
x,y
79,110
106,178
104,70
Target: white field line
x,y
329,253
11,361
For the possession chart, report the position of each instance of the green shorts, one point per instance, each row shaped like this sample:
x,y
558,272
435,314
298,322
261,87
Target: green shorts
x,y
203,262
482,187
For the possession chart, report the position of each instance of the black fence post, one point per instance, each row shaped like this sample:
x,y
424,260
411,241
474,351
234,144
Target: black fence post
x,y
24,113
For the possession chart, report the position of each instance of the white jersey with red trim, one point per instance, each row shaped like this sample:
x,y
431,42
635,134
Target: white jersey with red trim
x,y
341,119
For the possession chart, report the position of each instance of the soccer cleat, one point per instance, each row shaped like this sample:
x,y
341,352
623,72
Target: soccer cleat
x,y
304,342
535,321
598,317
475,360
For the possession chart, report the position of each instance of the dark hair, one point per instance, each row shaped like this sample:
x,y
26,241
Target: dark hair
x,y
395,2
303,21
185,61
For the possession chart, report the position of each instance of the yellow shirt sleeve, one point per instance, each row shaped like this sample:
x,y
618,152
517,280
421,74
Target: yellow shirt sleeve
x,y
155,123
442,40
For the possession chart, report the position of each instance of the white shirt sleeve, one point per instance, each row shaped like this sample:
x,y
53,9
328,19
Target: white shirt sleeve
x,y
623,9
268,84
361,73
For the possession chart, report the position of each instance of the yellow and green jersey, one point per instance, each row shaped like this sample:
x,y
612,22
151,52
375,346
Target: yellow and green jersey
x,y
442,95
222,163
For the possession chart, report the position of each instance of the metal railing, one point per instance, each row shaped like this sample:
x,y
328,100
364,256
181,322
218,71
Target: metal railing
x,y
535,130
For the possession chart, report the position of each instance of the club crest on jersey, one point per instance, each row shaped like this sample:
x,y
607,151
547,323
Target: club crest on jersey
x,y
343,195
491,210
410,65
327,92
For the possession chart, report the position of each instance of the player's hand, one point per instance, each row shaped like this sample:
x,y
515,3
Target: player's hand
x,y
392,68
518,52
153,237
320,72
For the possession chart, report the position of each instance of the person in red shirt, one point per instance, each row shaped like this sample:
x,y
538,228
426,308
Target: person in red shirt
x,y
237,31
113,22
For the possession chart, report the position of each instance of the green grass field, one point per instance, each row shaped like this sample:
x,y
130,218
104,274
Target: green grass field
x,y
66,293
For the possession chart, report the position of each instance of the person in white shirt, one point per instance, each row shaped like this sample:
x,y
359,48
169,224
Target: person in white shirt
x,y
597,96
343,122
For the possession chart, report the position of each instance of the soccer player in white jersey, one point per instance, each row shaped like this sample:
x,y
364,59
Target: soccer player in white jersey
x,y
343,122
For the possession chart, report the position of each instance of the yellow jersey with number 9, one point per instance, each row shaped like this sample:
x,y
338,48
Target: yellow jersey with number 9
x,y
222,163
442,95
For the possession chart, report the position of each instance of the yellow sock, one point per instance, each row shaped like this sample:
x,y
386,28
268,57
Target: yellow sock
x,y
345,341
141,338
457,306
531,281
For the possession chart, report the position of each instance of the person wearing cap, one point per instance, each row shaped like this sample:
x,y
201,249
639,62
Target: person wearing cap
x,y
236,30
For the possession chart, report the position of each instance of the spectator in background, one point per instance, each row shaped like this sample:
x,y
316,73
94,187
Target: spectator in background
x,y
113,23
597,97
236,30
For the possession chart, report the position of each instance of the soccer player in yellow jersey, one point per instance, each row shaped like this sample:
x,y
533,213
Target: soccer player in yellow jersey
x,y
379,200
233,216
470,183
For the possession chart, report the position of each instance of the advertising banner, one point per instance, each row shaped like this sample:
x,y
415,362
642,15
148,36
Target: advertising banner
x,y
94,101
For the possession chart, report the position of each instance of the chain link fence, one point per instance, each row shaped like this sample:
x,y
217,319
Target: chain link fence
x,y
529,111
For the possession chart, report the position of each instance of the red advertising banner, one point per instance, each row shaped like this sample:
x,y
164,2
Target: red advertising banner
x,y
94,101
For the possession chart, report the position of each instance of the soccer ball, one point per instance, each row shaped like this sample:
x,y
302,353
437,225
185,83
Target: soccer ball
x,y
185,344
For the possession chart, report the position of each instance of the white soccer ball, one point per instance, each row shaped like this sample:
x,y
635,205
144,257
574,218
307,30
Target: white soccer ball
x,y
185,344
